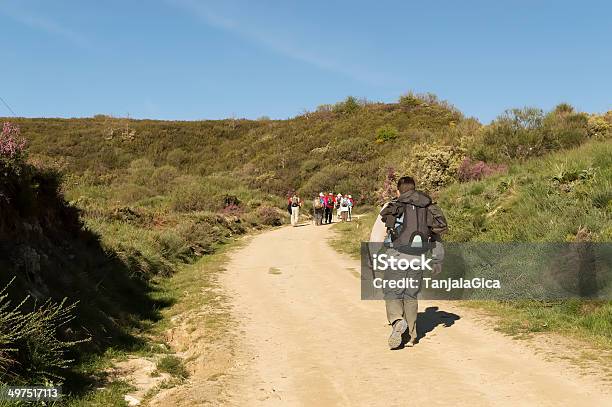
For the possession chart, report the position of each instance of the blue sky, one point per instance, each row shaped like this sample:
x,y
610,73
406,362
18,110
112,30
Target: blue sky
x,y
198,59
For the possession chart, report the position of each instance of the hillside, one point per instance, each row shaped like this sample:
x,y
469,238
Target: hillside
x,y
62,295
161,193
100,210
561,197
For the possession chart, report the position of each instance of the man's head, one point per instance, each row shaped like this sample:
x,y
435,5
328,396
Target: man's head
x,y
405,184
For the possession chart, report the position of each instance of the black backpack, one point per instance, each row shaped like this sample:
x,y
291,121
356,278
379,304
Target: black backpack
x,y
413,223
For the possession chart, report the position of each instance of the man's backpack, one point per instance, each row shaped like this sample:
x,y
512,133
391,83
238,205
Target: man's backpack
x,y
413,223
318,203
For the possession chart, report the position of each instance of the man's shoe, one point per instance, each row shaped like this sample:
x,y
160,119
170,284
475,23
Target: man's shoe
x,y
399,327
410,343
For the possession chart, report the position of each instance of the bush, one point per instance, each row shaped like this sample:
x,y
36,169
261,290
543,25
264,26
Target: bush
x,y
517,133
30,349
386,133
131,193
232,210
348,106
412,99
325,179
12,149
527,132
389,188
268,215
598,126
178,157
172,246
563,128
433,165
470,170
200,235
163,178
193,194
140,171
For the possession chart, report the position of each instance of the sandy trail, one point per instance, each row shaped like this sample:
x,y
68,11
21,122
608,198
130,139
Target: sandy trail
x,y
305,338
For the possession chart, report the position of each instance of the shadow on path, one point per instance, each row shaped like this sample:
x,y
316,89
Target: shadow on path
x,y
428,321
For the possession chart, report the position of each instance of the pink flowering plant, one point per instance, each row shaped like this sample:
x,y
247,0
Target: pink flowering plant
x,y
471,170
12,149
389,188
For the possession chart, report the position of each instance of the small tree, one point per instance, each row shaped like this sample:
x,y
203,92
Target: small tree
x,y
348,106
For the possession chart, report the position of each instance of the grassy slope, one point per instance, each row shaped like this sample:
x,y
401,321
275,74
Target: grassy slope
x,y
165,193
154,193
530,204
549,199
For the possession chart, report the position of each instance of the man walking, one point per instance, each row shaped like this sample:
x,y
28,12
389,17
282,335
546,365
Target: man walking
x,y
318,209
330,203
410,226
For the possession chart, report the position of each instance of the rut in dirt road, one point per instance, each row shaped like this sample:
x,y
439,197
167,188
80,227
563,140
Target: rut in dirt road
x,y
308,339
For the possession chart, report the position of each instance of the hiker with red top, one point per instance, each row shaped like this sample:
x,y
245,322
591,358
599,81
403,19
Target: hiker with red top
x,y
330,203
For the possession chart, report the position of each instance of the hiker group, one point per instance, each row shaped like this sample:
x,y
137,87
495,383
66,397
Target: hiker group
x,y
323,208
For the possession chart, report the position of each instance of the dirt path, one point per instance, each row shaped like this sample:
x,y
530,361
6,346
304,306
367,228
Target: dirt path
x,y
305,338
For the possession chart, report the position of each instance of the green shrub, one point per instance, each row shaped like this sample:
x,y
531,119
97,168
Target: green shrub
x,y
355,150
309,166
140,171
30,348
193,194
326,179
199,235
386,133
528,132
348,106
178,158
131,193
172,246
163,178
515,134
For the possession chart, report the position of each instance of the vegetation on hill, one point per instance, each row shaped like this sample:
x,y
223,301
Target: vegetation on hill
x,y
62,295
101,208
